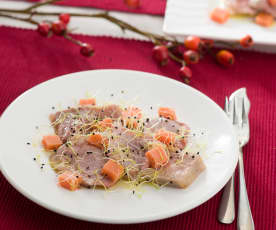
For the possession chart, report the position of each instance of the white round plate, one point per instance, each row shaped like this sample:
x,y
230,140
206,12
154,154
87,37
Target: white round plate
x,y
32,108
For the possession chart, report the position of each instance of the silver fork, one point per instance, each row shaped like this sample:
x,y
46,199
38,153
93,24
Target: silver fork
x,y
241,125
226,213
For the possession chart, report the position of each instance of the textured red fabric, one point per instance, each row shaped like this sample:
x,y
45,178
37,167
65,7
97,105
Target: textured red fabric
x,y
156,7
28,59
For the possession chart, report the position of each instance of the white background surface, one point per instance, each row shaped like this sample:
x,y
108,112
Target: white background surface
x,y
175,24
120,206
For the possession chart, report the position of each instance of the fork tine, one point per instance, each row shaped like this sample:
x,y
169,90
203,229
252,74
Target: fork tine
x,y
234,114
226,106
244,115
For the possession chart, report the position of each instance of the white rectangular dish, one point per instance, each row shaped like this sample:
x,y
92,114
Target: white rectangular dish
x,y
192,18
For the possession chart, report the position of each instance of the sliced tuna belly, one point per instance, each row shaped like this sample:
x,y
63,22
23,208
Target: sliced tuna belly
x,y
181,174
82,119
83,158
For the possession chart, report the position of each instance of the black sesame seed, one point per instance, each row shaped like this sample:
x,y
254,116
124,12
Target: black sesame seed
x,y
123,150
34,159
68,107
43,164
173,126
53,107
194,134
28,143
55,150
166,120
112,95
171,157
138,121
116,127
171,182
133,191
41,167
193,156
147,120
135,117
89,152
112,137
151,107
176,151
88,176
197,153
144,123
77,176
125,108
128,117
202,133
127,155
186,153
170,143
122,91
142,147
71,156
37,127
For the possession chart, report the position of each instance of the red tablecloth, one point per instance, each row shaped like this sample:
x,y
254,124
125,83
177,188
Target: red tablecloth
x,y
146,6
28,59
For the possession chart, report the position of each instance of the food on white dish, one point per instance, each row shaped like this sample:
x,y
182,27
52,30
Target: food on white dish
x,y
263,11
97,146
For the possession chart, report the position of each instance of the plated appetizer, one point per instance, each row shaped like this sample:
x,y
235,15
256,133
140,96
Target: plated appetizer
x,y
97,146
262,11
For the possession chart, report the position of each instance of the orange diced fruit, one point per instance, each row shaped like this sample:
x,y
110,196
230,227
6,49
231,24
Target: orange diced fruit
x,y
264,19
167,113
70,180
165,137
97,140
106,123
272,2
51,142
157,157
88,101
220,15
113,170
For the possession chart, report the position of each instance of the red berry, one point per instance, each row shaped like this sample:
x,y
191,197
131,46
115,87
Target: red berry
x,y
185,72
191,57
192,42
225,58
86,50
59,27
208,43
44,29
65,18
132,3
246,41
161,54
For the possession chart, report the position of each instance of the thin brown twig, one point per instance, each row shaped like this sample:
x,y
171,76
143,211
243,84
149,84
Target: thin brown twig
x,y
19,18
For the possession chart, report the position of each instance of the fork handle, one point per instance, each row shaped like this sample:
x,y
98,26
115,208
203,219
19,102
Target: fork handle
x,y
245,220
226,214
